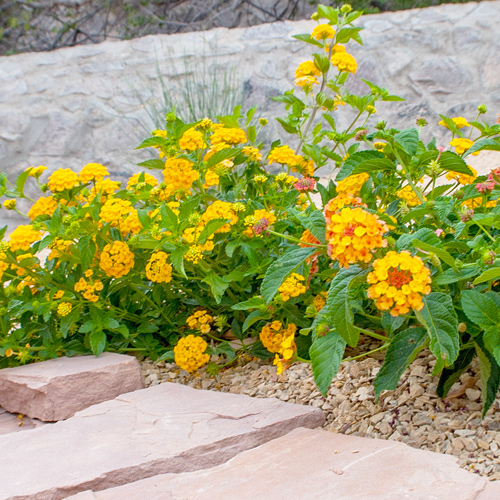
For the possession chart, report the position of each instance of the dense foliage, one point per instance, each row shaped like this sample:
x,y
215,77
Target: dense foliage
x,y
239,250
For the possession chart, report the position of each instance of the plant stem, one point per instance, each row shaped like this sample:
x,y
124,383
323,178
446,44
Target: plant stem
x,y
295,240
372,334
352,358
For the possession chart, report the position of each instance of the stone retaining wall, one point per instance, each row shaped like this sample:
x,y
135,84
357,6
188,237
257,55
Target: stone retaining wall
x,y
81,104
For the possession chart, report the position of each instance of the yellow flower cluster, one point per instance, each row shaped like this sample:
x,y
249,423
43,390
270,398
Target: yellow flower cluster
x,y
353,235
460,122
131,224
114,210
211,179
220,210
307,68
64,308
319,301
322,32
195,252
292,287
232,136
282,359
106,188
58,248
116,259
273,334
477,202
192,140
90,289
62,179
285,156
23,237
305,167
157,268
190,353
3,265
179,176
461,145
408,196
200,320
10,204
148,179
42,206
462,178
93,172
36,171
253,153
258,215
342,60
340,201
352,185
398,282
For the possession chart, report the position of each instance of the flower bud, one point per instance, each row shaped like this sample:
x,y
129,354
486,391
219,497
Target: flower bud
x,y
345,8
263,121
434,169
467,215
381,125
489,257
422,122
170,117
9,204
44,188
361,135
482,109
322,329
315,16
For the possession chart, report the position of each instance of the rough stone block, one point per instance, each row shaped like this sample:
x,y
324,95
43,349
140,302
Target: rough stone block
x,y
163,429
316,464
56,389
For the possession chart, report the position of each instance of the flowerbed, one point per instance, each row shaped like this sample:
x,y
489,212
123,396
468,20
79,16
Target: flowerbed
x,y
230,255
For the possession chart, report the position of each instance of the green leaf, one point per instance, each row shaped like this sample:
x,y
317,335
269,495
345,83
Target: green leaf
x,y
354,160
153,141
483,144
226,349
490,374
154,163
345,34
322,62
402,350
253,317
308,39
451,276
20,182
408,140
278,271
231,246
328,13
223,154
168,217
480,308
314,220
424,235
110,323
440,319
374,165
447,161
492,274
326,355
87,250
253,303
442,254
450,375
210,228
337,303
217,284
97,341
177,258
69,320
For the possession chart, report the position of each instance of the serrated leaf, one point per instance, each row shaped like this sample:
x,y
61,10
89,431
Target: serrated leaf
x,y
490,374
440,320
97,342
442,254
424,234
326,355
177,258
447,161
87,250
450,375
69,320
354,160
337,303
110,323
253,303
408,140
223,154
168,217
278,271
329,13
21,181
210,228
253,317
226,349
480,308
374,165
403,349
312,220
152,141
453,276
483,144
154,163
345,34
488,275
308,39
217,285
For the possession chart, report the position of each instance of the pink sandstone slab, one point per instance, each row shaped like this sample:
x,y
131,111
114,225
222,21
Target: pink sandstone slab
x,y
162,429
10,422
315,465
56,389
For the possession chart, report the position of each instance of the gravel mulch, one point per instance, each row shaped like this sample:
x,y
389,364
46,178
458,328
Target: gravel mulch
x,y
412,414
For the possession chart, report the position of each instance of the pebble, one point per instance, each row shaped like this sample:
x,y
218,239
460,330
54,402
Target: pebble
x,y
412,414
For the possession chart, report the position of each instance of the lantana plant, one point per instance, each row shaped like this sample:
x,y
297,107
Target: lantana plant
x,y
237,249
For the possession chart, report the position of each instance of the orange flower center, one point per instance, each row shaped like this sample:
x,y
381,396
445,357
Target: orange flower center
x,y
398,278
349,231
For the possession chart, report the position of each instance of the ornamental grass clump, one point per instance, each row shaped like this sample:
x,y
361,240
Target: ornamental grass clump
x,y
224,248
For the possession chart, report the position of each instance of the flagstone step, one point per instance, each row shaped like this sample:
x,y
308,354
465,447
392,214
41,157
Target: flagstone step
x,y
56,389
10,422
317,465
168,428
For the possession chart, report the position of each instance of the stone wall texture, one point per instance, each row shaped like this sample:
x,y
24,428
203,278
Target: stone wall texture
x,y
85,104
